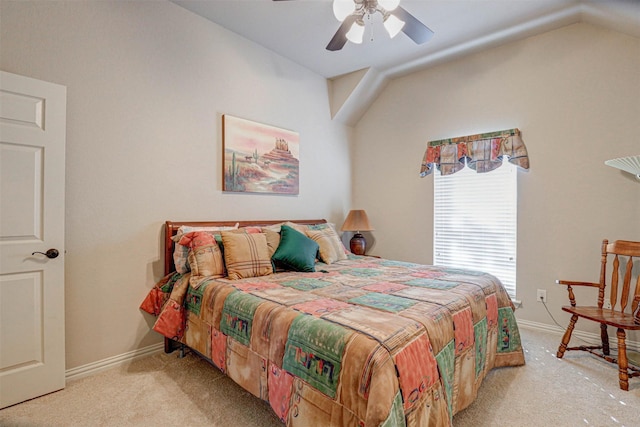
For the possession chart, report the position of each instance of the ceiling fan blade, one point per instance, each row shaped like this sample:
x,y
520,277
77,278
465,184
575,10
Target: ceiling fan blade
x,y
340,37
416,30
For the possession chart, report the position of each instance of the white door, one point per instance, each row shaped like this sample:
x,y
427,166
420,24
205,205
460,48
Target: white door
x,y
32,150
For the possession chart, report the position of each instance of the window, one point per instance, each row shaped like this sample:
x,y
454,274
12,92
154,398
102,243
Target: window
x,y
475,222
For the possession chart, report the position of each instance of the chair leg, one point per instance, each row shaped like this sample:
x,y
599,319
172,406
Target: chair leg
x,y
623,363
567,336
604,337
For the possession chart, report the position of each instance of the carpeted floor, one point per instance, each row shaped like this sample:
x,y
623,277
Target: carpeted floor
x,y
162,390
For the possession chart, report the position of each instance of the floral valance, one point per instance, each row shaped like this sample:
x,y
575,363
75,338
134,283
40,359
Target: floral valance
x,y
482,152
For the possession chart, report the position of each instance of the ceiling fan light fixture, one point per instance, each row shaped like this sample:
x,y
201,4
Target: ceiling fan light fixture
x,y
629,164
343,8
352,15
356,33
389,4
393,25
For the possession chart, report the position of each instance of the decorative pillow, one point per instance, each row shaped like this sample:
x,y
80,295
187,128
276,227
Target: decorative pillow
x,y
300,228
331,248
324,226
320,226
207,261
296,251
273,227
205,257
272,235
181,253
246,255
273,240
195,239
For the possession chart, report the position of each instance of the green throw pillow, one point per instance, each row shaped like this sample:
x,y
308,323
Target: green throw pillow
x,y
296,251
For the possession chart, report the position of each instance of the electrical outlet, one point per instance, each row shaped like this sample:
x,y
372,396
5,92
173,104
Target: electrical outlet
x,y
542,295
607,305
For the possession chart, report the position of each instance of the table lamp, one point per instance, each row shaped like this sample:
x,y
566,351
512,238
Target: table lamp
x,y
357,221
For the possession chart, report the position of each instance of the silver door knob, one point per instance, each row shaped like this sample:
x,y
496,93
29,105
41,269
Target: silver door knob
x,y
51,253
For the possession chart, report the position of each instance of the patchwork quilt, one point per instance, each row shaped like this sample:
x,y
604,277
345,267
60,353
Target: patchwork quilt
x,y
360,342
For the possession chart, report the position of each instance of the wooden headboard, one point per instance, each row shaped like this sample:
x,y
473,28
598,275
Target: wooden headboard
x,y
171,229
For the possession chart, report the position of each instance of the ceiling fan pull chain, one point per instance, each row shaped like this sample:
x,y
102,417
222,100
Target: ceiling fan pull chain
x,y
370,25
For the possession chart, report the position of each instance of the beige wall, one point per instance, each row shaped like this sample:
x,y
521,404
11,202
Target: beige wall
x,y
575,95
147,83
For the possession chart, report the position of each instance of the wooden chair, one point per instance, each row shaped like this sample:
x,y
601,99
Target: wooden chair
x,y
616,316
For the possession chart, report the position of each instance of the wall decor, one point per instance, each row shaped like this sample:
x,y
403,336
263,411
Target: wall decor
x,y
259,158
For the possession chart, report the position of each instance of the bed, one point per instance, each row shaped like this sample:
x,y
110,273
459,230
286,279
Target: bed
x,y
326,337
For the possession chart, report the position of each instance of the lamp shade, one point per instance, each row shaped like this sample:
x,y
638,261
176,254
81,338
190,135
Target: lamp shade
x,y
393,25
357,220
343,8
355,33
389,4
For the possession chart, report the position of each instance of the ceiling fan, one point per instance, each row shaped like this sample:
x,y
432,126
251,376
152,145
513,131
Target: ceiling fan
x,y
395,18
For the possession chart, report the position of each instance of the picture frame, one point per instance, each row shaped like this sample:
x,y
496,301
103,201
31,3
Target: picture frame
x,y
259,158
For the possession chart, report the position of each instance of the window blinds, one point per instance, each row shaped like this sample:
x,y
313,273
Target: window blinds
x,y
475,222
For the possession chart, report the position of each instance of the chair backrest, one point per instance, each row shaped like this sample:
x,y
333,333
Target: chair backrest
x,y
624,253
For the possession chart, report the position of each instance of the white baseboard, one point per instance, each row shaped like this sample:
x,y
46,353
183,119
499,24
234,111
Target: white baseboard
x,y
110,362
591,338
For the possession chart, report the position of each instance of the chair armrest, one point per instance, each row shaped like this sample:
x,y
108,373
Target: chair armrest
x,y
569,284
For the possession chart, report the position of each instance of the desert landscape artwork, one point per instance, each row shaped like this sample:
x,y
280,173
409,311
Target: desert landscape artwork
x,y
259,158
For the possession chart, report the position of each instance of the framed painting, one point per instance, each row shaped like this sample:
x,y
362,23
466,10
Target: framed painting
x,y
259,158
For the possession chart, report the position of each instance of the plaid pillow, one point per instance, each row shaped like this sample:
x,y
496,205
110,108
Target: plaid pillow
x,y
331,248
246,255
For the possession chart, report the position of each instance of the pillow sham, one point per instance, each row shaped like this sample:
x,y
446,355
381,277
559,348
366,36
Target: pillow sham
x,y
330,247
246,255
181,253
296,251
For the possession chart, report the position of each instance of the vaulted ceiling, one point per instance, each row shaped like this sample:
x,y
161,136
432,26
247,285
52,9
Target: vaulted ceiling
x,y
300,30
